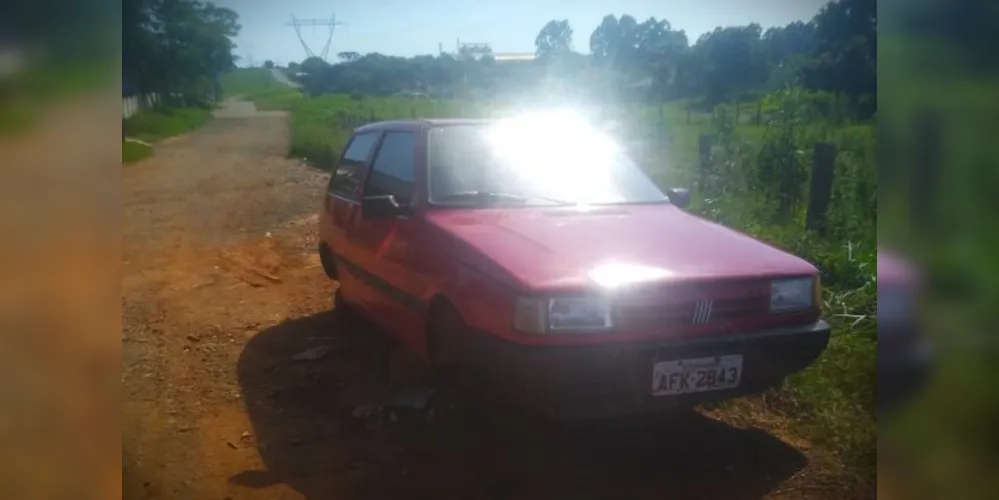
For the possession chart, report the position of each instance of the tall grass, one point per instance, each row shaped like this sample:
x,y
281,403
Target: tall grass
x,y
833,401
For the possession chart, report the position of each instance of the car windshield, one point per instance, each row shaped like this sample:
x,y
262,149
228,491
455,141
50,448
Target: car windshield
x,y
532,163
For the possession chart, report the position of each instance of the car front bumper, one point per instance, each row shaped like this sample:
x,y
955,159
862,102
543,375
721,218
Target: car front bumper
x,y
608,380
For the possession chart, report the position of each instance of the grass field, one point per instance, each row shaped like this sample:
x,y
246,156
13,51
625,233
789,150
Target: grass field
x,y
246,81
132,152
833,402
159,123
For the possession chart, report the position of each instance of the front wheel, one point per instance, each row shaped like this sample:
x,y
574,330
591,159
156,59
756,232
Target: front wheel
x,y
341,306
445,335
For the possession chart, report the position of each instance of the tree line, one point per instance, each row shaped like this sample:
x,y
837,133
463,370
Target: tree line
x,y
176,48
836,51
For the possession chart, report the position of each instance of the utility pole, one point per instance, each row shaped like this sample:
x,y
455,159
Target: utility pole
x,y
330,23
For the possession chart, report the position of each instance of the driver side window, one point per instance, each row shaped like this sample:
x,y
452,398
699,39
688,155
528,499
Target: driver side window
x,y
348,177
392,172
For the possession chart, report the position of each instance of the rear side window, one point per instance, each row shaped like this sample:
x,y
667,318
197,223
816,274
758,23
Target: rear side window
x,y
393,169
349,174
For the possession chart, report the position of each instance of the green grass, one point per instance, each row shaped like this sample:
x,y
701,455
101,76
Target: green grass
x,y
280,98
832,402
132,152
246,81
159,123
16,116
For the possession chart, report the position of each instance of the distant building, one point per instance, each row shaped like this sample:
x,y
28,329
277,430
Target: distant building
x,y
514,56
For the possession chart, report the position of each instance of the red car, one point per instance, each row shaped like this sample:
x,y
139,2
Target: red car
x,y
534,253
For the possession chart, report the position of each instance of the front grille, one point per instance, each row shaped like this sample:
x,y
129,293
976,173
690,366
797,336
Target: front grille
x,y
687,313
691,305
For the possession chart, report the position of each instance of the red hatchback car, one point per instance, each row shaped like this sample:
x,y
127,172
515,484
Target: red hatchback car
x,y
535,253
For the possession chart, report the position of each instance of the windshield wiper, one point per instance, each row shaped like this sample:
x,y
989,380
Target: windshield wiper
x,y
492,196
486,196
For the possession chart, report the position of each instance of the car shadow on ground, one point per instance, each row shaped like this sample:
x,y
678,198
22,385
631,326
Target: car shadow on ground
x,y
310,436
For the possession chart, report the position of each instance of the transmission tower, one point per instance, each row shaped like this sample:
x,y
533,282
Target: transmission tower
x,y
329,23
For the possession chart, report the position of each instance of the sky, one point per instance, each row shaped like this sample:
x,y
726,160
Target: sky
x,y
413,27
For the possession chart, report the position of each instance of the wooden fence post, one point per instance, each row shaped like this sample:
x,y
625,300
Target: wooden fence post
x,y
704,144
759,112
926,167
820,192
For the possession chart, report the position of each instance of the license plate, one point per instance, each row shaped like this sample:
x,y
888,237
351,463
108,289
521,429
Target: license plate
x,y
683,376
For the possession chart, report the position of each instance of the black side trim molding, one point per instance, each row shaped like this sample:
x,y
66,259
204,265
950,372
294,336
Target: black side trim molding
x,y
399,295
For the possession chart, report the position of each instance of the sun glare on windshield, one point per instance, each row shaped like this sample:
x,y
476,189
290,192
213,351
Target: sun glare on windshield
x,y
560,152
533,159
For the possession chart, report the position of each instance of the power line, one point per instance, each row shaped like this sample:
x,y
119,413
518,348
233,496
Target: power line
x,y
330,23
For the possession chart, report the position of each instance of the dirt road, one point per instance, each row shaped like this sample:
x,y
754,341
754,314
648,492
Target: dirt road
x,y
221,291
281,77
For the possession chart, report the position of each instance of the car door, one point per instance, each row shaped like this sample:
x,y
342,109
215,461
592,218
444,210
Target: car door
x,y
383,242
343,205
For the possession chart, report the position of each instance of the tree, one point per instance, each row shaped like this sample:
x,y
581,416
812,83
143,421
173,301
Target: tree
x,y
731,61
554,40
788,51
177,46
785,43
834,52
657,52
314,65
605,41
268,64
845,58
348,56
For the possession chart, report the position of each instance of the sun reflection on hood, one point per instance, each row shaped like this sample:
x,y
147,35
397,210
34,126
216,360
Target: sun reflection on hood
x,y
617,274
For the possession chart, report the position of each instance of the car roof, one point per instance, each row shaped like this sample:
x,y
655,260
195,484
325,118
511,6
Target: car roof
x,y
420,123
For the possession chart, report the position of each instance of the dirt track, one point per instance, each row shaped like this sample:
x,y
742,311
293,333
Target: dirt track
x,y
222,288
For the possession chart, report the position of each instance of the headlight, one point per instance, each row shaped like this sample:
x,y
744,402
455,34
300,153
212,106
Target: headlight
x,y
794,294
589,313
538,316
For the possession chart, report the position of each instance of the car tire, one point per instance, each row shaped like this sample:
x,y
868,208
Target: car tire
x,y
327,262
340,306
444,327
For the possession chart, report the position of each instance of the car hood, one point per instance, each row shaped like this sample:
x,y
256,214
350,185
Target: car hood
x,y
570,248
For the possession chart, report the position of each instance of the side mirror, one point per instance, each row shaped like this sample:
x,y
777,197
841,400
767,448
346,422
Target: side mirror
x,y
679,197
381,207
